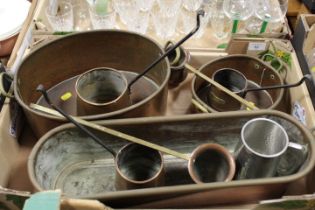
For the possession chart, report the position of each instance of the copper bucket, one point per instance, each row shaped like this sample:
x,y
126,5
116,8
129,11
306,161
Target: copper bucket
x,y
57,65
257,73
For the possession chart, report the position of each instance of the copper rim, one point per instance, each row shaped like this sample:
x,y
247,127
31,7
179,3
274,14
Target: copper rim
x,y
215,147
134,181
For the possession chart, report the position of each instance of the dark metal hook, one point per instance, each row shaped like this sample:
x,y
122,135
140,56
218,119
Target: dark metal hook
x,y
40,88
305,77
168,52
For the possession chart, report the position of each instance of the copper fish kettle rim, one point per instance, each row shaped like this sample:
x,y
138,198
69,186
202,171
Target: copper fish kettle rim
x,y
190,187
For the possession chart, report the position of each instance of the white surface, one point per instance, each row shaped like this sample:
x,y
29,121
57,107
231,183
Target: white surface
x,y
12,15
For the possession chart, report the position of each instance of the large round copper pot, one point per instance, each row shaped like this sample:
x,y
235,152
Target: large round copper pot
x,y
255,71
75,54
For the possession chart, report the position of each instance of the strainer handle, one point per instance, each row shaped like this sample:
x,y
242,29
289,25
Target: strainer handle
x,y
296,146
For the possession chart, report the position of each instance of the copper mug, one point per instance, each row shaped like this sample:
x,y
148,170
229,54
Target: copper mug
x,y
101,90
178,58
211,163
138,166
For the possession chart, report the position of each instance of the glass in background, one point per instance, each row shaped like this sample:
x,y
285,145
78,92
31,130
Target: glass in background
x,y
169,7
238,10
62,19
270,11
126,9
187,20
207,7
164,23
145,5
188,16
192,5
81,15
141,15
140,23
102,15
220,23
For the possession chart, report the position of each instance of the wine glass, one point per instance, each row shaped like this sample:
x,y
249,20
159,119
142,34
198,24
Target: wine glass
x,y
192,5
270,11
238,10
220,23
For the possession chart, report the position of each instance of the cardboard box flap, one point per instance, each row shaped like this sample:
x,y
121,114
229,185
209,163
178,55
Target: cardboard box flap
x,y
309,43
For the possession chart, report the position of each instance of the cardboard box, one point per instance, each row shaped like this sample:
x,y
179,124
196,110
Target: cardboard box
x,y
300,94
303,42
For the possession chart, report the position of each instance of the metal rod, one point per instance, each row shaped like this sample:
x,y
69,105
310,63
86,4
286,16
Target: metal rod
x,y
168,52
41,89
305,77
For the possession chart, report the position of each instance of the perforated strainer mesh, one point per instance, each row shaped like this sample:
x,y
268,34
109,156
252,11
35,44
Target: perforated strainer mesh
x,y
264,137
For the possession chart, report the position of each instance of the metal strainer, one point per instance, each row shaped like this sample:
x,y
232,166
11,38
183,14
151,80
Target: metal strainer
x,y
263,141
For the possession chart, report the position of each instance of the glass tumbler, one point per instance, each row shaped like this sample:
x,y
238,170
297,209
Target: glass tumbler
x,y
164,23
103,18
220,23
127,9
170,7
140,23
62,20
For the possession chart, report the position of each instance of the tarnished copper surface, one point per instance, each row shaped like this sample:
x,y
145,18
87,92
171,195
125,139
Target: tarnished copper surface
x,y
254,70
101,90
182,133
138,167
72,55
211,163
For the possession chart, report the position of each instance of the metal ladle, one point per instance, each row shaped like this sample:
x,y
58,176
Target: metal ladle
x,y
126,177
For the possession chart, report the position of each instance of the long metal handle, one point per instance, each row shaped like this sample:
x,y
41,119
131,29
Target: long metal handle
x,y
41,89
168,52
305,77
114,132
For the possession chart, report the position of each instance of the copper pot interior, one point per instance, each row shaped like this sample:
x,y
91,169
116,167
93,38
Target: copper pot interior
x,y
138,166
211,163
101,90
257,74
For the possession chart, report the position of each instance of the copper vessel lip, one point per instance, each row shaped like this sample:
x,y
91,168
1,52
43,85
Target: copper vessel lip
x,y
195,96
237,72
212,146
109,102
97,116
134,181
186,55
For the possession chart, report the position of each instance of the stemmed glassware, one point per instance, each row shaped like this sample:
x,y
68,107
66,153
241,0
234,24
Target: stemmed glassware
x,y
220,23
270,11
238,10
188,16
